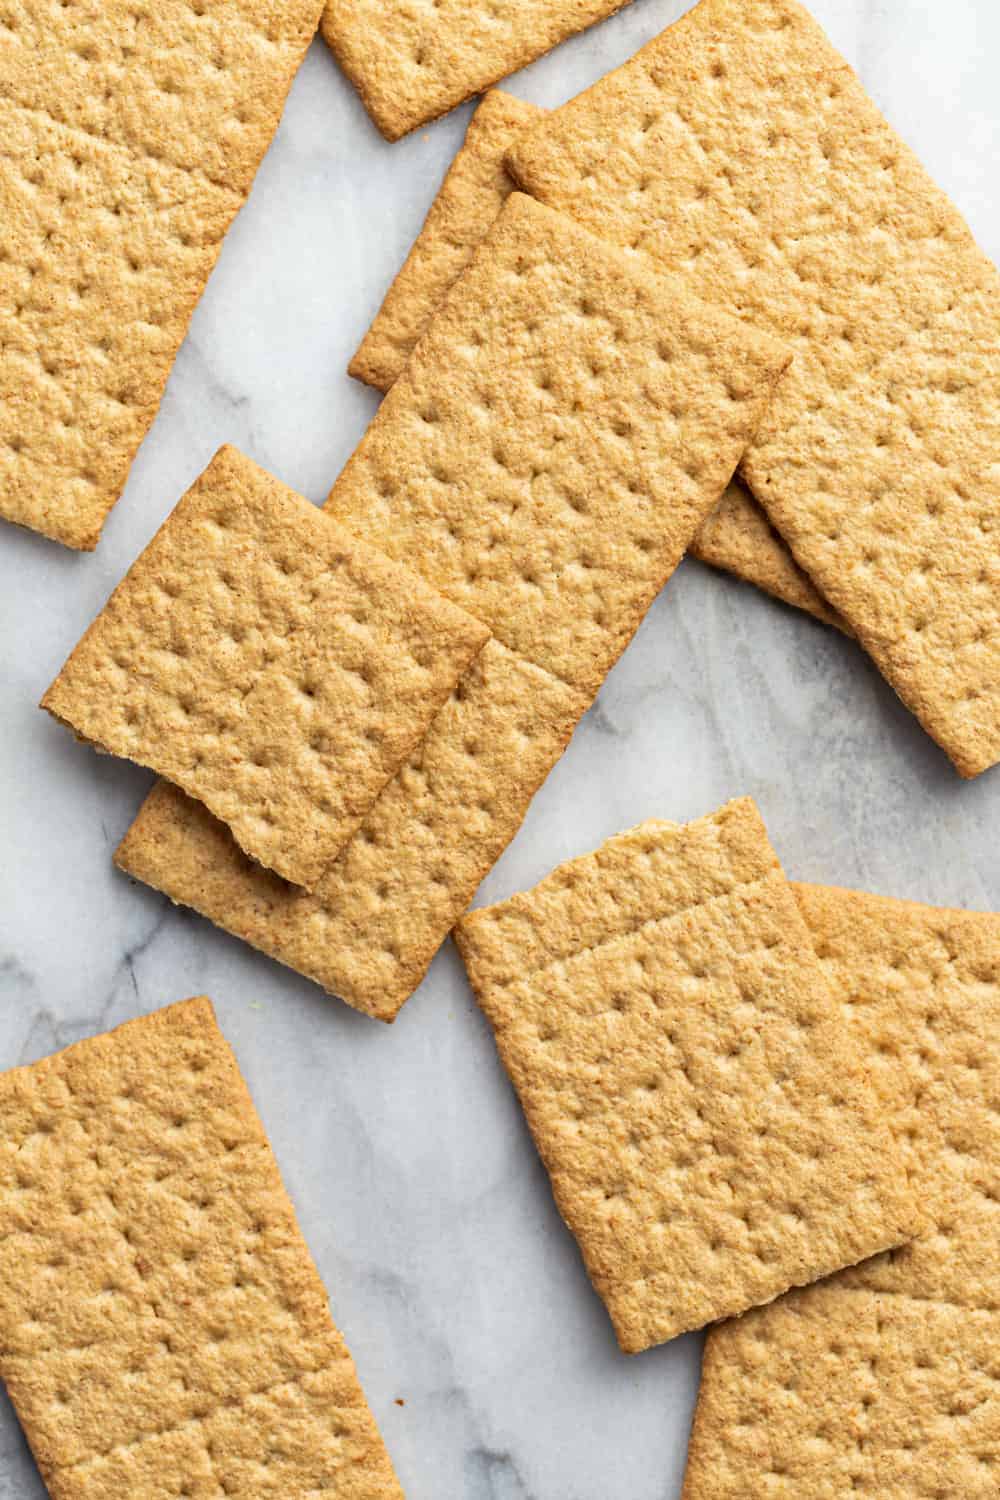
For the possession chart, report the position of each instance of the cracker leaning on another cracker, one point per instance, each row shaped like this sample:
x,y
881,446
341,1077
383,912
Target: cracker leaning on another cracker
x,y
883,1381
562,428
737,536
686,1074
129,138
269,663
163,1329
739,149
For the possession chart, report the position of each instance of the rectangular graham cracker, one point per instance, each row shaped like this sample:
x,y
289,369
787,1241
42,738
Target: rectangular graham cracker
x,y
411,64
740,149
737,535
269,663
163,1329
560,431
129,137
882,1382
686,1074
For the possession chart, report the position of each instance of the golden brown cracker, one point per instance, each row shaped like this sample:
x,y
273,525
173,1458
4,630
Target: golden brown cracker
x,y
411,64
740,149
163,1329
560,431
267,662
130,136
475,189
882,1381
685,1072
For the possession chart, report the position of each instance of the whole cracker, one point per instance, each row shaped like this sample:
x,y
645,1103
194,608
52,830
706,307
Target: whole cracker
x,y
476,187
529,463
163,1329
129,137
739,148
883,1381
412,64
684,1070
269,663
737,535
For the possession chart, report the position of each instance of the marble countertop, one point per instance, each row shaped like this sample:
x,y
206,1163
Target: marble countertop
x,y
428,1212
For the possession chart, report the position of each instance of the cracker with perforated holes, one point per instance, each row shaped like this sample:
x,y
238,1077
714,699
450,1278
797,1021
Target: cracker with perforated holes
x,y
474,190
562,428
885,1380
269,663
740,149
412,63
163,1329
686,1074
130,136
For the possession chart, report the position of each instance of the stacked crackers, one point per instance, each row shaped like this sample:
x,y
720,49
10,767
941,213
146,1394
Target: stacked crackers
x,y
764,1107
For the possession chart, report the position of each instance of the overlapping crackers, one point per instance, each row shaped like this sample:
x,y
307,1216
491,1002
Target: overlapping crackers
x,y
682,1063
560,431
740,149
269,663
883,1379
130,136
163,1329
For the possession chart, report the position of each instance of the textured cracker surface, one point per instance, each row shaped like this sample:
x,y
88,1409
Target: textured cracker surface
x,y
737,535
543,460
475,189
130,136
269,663
739,148
885,1380
163,1330
412,63
686,1074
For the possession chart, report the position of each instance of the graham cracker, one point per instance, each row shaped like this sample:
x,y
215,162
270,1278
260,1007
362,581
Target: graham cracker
x,y
737,535
412,64
739,148
163,1329
476,187
883,1381
130,136
686,1074
561,429
269,663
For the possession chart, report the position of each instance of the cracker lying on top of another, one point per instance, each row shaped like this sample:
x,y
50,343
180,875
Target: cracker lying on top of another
x,y
685,1070
268,662
561,430
739,149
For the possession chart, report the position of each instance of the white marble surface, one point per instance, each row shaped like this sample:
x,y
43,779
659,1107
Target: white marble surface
x,y
427,1210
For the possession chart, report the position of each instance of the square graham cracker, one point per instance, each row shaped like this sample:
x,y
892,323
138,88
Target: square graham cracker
x,y
737,535
163,1329
561,429
686,1075
130,137
884,1381
411,64
739,148
268,662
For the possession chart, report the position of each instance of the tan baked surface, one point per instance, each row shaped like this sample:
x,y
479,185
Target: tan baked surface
x,y
269,663
884,1381
411,64
739,148
386,905
163,1330
683,1066
473,192
560,432
738,537
560,548
129,136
